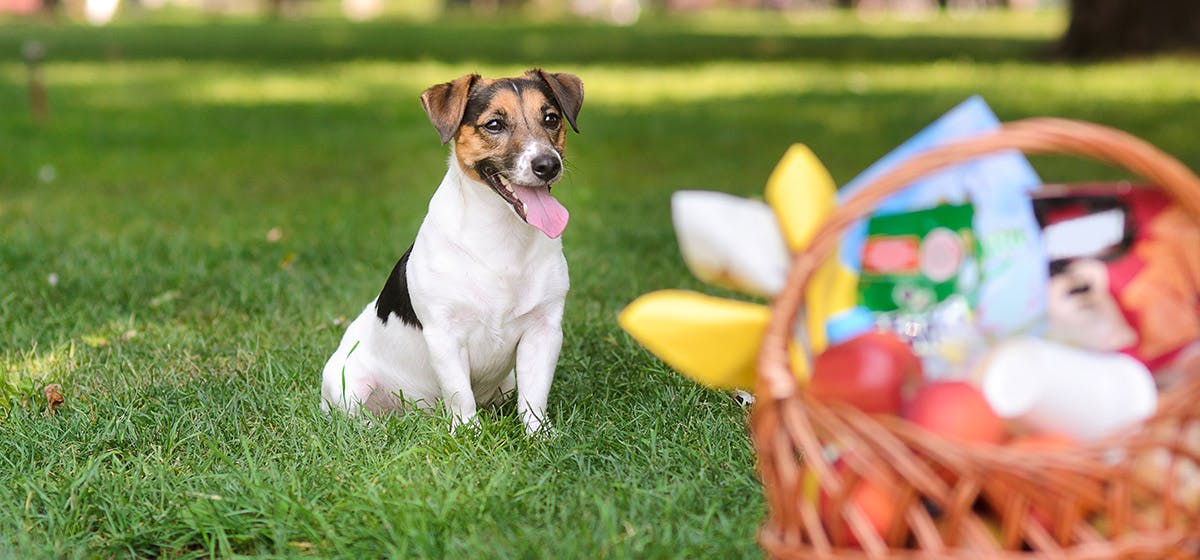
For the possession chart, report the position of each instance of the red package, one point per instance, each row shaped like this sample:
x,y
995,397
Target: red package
x,y
1125,270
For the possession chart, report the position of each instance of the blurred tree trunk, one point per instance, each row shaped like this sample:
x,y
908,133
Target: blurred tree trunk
x,y
51,7
1102,28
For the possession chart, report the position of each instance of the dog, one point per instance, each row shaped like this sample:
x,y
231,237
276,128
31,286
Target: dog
x,y
472,312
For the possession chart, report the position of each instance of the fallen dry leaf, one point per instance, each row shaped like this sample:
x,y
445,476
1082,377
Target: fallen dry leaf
x,y
54,397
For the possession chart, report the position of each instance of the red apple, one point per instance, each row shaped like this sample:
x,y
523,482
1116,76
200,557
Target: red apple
x,y
870,497
868,372
909,363
955,410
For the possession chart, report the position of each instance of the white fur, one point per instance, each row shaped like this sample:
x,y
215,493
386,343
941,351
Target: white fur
x,y
489,291
523,168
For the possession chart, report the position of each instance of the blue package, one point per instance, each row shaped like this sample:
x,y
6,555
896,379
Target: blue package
x,y
1012,293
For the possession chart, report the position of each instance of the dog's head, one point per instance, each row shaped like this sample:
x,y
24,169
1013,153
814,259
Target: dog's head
x,y
509,134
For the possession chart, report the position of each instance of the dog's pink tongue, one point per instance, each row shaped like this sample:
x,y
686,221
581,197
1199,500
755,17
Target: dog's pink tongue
x,y
543,211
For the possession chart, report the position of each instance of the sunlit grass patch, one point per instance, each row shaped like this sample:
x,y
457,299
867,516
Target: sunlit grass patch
x,y
23,372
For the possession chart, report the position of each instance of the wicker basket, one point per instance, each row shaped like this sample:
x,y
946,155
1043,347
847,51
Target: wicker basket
x,y
958,501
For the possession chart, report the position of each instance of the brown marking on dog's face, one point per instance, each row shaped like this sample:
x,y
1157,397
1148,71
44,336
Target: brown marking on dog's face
x,y
504,124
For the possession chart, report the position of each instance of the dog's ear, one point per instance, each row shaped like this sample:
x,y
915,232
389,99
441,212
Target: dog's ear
x,y
567,90
445,104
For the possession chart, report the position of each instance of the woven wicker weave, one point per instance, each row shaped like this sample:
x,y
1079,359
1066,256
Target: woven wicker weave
x,y
959,501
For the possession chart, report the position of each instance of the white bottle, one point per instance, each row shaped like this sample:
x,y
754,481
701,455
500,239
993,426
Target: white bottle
x,y
1060,389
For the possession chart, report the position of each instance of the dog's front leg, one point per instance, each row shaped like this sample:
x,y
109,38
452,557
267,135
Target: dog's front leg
x,y
448,356
537,356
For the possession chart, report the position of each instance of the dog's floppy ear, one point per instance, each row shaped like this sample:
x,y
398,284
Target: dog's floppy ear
x,y
445,104
567,90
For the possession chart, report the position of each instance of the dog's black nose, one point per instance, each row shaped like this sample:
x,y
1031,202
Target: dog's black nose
x,y
546,167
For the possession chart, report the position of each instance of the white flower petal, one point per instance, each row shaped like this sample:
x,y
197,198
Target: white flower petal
x,y
730,241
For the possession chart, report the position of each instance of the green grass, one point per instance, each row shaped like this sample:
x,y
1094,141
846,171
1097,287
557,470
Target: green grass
x,y
189,346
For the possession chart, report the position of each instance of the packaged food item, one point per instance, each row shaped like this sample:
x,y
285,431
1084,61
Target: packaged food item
x,y
921,277
914,261
1052,387
1011,294
1124,271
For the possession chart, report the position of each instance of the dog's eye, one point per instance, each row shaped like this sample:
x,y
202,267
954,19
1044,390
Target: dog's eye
x,y
494,126
551,120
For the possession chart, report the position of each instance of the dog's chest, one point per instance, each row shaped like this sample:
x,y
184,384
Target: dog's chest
x,y
488,300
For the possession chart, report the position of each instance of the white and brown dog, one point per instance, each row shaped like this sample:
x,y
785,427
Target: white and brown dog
x,y
472,312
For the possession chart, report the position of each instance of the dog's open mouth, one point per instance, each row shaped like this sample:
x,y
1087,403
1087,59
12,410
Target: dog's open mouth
x,y
535,205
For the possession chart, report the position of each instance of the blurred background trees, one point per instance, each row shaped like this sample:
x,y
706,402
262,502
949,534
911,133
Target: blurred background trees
x,y
1102,28
587,8
1098,28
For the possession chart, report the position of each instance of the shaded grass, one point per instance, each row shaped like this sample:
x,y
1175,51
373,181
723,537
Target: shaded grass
x,y
189,345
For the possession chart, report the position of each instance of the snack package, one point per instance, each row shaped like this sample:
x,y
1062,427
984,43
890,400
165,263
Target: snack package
x,y
916,260
1125,271
1011,292
921,276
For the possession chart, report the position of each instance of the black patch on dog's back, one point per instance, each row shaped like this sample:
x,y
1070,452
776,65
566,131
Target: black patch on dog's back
x,y
394,297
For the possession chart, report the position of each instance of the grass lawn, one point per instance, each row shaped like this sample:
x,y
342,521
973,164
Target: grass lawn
x,y
189,345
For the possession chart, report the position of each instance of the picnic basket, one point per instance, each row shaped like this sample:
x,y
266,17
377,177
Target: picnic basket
x,y
955,501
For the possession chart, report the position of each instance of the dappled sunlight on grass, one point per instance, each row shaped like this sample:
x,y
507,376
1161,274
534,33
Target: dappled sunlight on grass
x,y
276,88
1168,81
136,83
133,84
1001,24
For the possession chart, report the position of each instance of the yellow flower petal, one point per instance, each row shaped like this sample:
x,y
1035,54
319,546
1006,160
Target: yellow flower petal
x,y
802,193
832,290
711,340
730,241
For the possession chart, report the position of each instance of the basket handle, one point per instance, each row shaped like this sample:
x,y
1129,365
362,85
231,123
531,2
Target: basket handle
x,y
1031,136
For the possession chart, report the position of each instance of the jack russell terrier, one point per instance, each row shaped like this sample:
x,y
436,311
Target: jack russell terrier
x,y
472,312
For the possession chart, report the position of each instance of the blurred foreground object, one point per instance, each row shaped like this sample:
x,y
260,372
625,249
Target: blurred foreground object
x,y
742,245
1125,495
